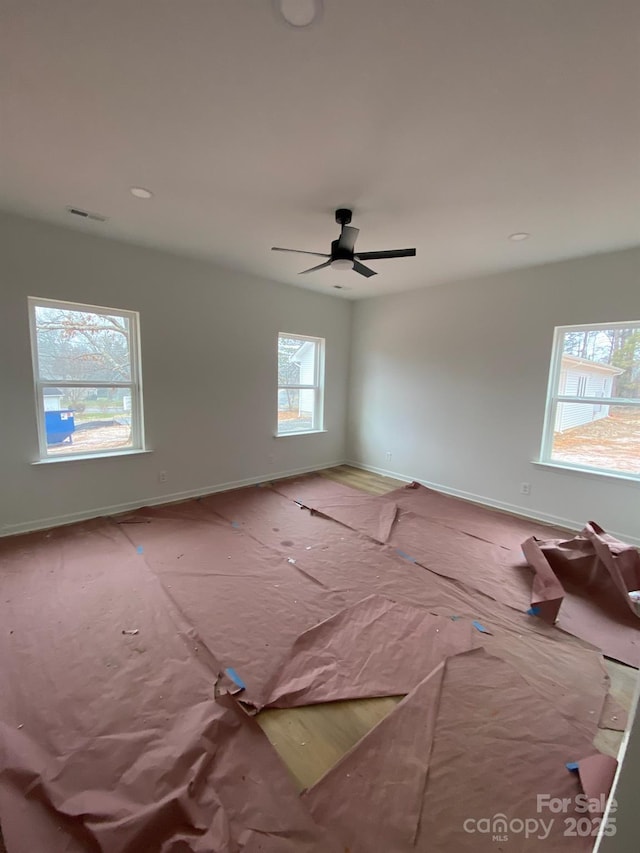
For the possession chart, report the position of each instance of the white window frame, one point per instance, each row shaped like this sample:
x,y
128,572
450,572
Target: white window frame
x,y
317,387
553,399
134,385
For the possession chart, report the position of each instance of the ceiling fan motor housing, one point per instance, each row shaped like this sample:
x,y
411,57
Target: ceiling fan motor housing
x,y
343,216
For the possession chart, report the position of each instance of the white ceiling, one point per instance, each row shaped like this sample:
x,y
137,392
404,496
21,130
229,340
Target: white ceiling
x,y
445,124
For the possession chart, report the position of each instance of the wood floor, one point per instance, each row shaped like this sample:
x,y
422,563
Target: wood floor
x,y
311,739
373,484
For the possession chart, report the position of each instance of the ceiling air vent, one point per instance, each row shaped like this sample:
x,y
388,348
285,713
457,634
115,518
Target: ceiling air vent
x,y
85,214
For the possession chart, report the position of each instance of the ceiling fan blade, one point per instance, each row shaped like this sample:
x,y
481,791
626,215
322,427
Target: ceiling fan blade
x,y
319,267
390,253
365,271
300,252
348,236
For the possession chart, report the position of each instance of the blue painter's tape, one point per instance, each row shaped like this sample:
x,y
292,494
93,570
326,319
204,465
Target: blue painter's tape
x,y
235,524
233,675
140,549
405,556
572,765
533,611
480,627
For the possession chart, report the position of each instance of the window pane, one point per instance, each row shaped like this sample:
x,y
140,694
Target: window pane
x,y
80,345
296,410
296,361
600,436
86,420
601,363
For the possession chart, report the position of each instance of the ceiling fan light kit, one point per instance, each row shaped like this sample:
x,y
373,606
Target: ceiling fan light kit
x,y
341,264
343,255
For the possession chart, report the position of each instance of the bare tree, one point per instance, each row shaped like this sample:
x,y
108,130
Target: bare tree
x,y
82,346
79,345
618,347
288,370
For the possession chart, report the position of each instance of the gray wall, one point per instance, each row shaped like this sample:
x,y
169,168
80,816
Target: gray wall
x,y
452,382
209,370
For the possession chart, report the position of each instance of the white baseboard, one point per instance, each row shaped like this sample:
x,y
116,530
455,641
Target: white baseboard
x,y
513,509
156,500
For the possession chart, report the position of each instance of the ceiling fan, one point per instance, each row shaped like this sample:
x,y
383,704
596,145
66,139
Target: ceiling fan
x,y
343,255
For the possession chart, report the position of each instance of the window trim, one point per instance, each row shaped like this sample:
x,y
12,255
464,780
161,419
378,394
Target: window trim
x,y
317,387
135,384
553,398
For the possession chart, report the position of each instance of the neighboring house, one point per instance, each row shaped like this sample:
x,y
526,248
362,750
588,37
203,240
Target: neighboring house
x,y
580,377
305,357
52,399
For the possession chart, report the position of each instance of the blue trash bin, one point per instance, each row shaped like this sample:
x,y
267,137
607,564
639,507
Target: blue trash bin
x,y
59,426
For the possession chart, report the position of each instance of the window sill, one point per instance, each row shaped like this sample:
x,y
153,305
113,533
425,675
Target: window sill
x,y
302,432
632,479
77,457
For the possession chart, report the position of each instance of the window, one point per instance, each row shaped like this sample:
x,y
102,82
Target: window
x,y
300,383
593,408
86,365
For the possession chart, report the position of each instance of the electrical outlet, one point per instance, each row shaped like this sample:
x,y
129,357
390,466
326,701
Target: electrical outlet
x,y
388,456
525,488
162,477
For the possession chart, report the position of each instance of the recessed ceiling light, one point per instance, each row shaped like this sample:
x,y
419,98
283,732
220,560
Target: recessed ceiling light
x,y
140,192
299,13
518,236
